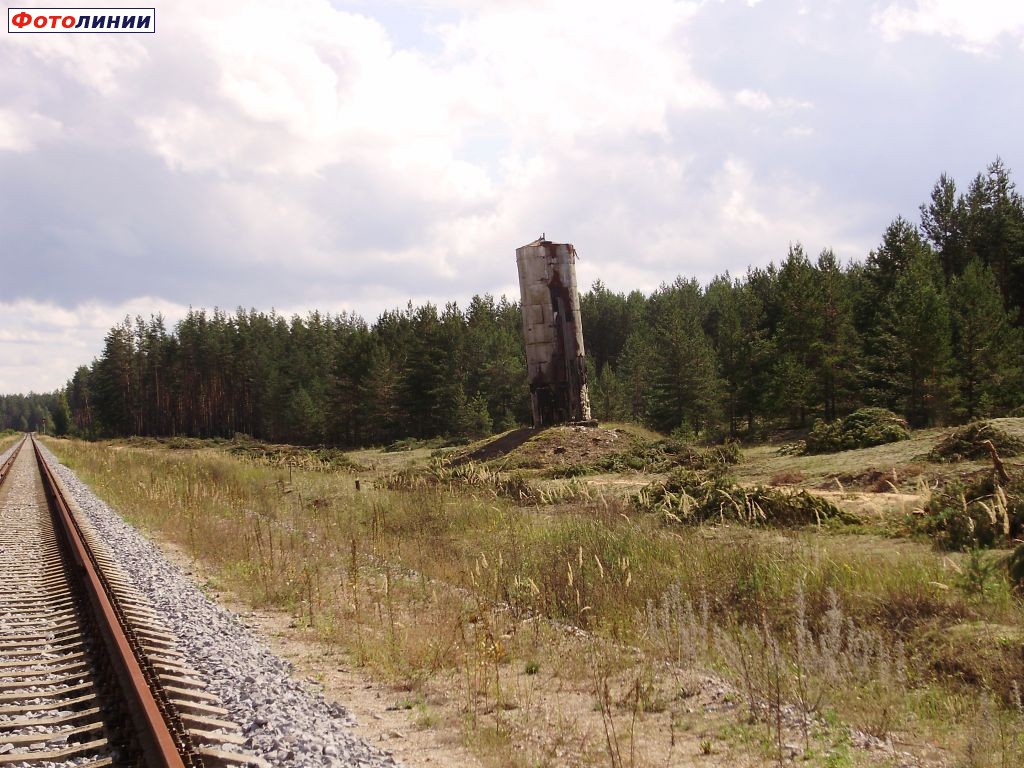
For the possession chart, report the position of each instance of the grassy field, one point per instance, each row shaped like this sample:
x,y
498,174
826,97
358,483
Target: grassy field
x,y
906,458
817,628
8,438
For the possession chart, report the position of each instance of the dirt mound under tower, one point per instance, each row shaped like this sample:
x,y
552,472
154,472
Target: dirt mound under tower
x,y
559,446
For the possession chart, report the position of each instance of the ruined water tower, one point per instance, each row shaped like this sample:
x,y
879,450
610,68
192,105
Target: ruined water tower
x,y
553,332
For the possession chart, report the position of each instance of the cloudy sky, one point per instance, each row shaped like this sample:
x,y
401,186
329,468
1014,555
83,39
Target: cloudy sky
x,y
307,154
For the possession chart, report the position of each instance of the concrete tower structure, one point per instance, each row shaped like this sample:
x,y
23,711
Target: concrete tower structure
x,y
553,333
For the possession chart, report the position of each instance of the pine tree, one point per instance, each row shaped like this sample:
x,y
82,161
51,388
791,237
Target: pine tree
x,y
605,393
685,390
636,369
735,323
79,397
916,338
901,244
995,227
114,381
881,373
379,390
606,324
303,418
348,423
987,348
836,349
60,416
944,224
797,373
474,420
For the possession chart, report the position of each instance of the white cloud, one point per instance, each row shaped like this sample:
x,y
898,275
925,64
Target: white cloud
x,y
295,91
315,86
97,61
758,100
23,132
298,155
566,69
546,84
41,343
976,24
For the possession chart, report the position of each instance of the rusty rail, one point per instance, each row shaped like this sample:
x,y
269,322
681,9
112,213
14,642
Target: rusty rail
x,y
161,738
6,466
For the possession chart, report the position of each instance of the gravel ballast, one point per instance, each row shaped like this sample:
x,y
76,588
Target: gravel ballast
x,y
286,721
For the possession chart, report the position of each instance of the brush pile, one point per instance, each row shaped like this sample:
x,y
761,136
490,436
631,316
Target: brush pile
x,y
863,428
468,477
689,496
970,442
295,456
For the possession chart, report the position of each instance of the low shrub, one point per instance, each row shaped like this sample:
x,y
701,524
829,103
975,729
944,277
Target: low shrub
x,y
863,428
968,515
573,470
1015,567
795,448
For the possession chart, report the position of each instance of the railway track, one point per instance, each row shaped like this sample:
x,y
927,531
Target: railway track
x,y
89,676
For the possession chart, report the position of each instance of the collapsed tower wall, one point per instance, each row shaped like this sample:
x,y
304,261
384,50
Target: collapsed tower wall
x,y
553,332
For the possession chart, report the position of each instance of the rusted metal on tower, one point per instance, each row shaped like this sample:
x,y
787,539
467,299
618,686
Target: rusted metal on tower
x,y
553,333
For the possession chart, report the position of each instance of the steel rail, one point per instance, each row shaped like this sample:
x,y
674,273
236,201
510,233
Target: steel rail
x,y
163,744
6,466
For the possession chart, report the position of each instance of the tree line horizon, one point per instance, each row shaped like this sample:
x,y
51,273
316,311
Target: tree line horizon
x,y
930,325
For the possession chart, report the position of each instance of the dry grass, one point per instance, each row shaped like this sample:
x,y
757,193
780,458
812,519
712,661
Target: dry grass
x,y
7,439
423,583
761,463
